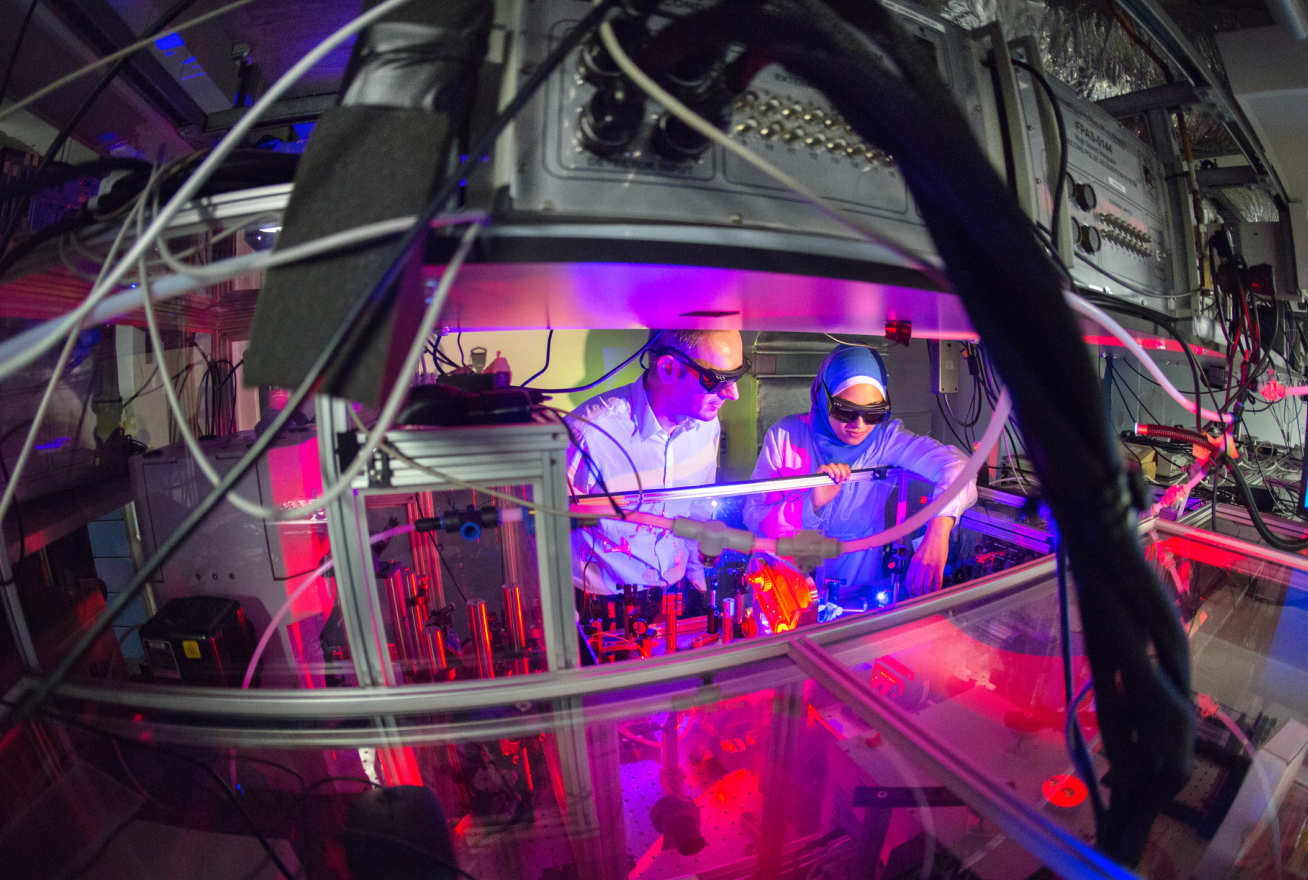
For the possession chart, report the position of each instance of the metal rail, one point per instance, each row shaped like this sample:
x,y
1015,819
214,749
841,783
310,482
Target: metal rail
x,y
729,490
1066,855
336,704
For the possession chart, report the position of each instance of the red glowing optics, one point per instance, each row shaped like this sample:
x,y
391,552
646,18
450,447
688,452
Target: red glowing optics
x,y
781,593
1064,791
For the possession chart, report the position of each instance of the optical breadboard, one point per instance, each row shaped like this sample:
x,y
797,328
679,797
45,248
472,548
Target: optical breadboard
x,y
569,160
1114,198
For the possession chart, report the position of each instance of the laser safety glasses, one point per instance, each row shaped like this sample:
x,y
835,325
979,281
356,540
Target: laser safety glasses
x,y
843,411
709,379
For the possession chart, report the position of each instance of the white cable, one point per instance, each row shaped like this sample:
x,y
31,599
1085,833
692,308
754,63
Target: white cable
x,y
11,487
217,273
143,43
234,138
1003,406
23,349
390,409
1100,317
110,307
308,581
710,131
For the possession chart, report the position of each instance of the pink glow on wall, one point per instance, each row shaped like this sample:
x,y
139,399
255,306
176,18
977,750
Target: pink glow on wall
x,y
294,476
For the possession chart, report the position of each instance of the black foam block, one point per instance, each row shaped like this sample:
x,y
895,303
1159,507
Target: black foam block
x,y
363,164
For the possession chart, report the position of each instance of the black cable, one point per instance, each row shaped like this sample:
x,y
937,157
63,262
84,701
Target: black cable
x,y
949,423
1117,383
55,176
548,340
64,133
1062,140
1076,746
318,783
344,329
437,353
187,759
637,353
1246,496
372,834
1161,320
440,555
1126,406
18,44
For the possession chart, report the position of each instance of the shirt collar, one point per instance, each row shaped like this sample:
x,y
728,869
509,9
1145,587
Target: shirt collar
x,y
647,424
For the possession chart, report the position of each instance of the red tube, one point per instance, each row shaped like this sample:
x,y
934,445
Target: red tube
x,y
1167,432
670,622
517,627
479,625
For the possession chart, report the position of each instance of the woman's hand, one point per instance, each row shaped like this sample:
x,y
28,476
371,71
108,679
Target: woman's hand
x,y
926,572
824,495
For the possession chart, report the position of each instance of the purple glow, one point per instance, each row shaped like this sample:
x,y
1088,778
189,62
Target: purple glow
x,y
613,295
53,444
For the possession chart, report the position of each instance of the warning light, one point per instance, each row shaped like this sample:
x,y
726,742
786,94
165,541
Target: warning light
x,y
1064,791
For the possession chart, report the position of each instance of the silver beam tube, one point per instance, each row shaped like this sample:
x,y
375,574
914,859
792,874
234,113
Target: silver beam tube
x,y
727,490
1036,833
1245,548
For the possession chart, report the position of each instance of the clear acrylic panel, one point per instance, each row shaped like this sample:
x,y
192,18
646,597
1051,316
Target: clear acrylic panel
x,y
760,773
991,676
461,600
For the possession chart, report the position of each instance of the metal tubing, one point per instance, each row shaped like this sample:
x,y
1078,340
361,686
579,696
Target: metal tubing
x,y
13,605
726,490
728,620
1065,854
437,636
1245,548
479,626
670,622
516,624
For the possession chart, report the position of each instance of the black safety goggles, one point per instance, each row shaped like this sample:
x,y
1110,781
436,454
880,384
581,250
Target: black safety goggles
x,y
709,379
845,412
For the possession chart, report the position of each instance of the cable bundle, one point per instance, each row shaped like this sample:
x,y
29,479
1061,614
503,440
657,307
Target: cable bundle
x,y
1014,297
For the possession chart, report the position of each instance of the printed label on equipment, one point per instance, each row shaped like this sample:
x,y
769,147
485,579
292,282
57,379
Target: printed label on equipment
x,y
163,662
191,649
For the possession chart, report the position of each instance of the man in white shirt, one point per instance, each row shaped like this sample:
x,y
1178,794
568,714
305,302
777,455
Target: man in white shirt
x,y
667,420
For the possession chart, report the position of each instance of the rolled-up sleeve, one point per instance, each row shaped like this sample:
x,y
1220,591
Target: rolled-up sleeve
x,y
779,514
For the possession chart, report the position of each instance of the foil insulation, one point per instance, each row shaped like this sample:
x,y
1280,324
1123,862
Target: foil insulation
x,y
1084,46
1251,204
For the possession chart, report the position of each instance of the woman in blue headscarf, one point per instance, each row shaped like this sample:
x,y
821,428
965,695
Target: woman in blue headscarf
x,y
848,426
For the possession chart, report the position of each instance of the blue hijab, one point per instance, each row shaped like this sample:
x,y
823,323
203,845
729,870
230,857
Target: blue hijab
x,y
847,365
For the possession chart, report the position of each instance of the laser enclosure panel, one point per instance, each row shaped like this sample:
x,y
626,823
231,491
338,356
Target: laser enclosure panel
x,y
783,118
1115,198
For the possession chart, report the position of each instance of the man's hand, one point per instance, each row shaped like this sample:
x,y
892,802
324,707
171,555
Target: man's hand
x,y
824,495
926,572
